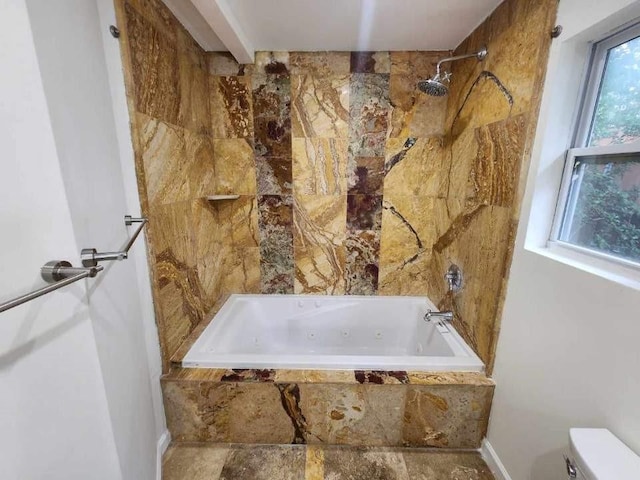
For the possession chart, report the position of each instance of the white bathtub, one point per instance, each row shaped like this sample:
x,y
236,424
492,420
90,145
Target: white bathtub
x,y
330,333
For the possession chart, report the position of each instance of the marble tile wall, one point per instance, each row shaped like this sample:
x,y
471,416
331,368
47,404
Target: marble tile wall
x,y
491,119
448,410
350,180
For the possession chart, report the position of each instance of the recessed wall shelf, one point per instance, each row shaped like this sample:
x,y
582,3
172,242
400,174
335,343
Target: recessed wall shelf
x,y
216,198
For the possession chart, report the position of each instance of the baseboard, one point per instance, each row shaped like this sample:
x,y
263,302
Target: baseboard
x,y
161,447
493,461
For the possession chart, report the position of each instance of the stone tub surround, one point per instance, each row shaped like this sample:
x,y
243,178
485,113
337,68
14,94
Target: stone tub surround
x,y
445,410
193,461
351,181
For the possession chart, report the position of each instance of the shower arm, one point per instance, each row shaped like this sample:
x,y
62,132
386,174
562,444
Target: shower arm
x,y
479,55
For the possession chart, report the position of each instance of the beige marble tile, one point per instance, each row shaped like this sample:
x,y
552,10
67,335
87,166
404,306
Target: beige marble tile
x,y
194,462
450,416
408,233
415,114
319,223
241,216
320,106
281,462
319,63
422,63
364,464
353,414
164,160
415,166
154,62
314,376
314,463
193,113
234,166
319,166
450,465
200,164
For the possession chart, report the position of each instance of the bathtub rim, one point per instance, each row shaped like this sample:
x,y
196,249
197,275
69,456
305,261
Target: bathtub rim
x,y
469,361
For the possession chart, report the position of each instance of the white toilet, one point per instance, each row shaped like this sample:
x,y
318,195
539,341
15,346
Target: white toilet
x,y
599,455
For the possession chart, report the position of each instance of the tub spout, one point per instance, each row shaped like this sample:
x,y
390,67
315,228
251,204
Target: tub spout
x,y
446,315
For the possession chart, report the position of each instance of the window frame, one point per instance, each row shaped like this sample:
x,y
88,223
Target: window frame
x,y
585,118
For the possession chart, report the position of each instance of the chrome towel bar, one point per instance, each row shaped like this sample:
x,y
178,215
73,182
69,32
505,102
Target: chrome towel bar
x,y
90,256
60,273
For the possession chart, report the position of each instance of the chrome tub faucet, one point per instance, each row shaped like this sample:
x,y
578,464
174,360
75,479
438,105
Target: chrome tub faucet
x,y
446,315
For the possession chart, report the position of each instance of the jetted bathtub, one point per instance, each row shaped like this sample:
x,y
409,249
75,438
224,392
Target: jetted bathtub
x,y
330,333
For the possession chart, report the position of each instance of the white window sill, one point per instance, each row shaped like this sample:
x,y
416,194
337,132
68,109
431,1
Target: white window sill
x,y
616,271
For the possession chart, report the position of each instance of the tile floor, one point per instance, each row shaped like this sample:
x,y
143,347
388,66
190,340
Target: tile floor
x,y
298,462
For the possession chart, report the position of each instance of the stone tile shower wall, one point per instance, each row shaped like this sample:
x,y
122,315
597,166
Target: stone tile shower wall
x,y
491,120
337,142
350,181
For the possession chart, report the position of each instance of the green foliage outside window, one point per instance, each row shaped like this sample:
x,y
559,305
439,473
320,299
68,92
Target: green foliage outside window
x,y
617,115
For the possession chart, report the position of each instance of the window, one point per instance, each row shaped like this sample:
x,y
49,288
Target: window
x,y
599,204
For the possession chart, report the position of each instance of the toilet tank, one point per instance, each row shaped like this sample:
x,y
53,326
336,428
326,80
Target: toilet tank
x,y
600,455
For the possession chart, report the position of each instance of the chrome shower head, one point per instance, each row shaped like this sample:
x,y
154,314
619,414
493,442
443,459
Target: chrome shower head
x,y
433,87
436,86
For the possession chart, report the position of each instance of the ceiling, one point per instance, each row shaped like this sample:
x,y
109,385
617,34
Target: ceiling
x,y
245,26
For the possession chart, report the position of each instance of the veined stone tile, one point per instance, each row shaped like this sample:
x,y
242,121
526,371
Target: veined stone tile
x,y
462,157
320,106
314,463
367,144
365,464
194,462
271,96
154,61
446,465
369,106
496,171
363,251
319,234
194,85
364,212
408,229
420,63
381,377
171,229
199,159
223,64
352,414
275,222
248,375
319,63
314,376
231,106
241,215
274,175
415,114
265,463
157,14
272,137
492,232
319,166
271,63
366,175
234,167
163,153
446,416
207,228
370,62
449,378
181,300
415,166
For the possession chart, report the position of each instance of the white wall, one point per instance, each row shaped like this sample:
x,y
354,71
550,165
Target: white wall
x,y
54,415
568,353
90,155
